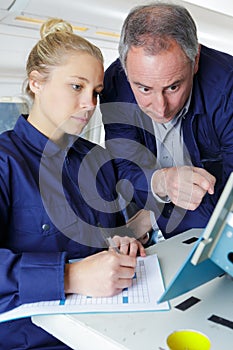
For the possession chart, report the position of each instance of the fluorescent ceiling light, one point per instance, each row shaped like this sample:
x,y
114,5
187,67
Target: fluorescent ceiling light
x,y
40,21
108,34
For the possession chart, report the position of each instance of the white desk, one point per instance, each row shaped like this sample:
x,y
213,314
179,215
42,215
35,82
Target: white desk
x,y
149,330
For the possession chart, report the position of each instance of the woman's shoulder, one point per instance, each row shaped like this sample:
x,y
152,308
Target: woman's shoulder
x,y
85,146
6,143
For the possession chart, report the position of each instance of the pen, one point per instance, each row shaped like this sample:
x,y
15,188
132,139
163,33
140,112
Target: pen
x,y
108,239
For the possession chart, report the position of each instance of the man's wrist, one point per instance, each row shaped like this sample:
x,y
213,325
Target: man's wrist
x,y
160,196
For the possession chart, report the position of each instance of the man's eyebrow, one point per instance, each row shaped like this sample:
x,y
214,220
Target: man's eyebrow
x,y
138,83
177,82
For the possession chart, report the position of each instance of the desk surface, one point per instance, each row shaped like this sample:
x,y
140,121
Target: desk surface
x,y
149,330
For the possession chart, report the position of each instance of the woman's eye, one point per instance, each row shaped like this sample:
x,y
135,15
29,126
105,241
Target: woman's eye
x,y
76,87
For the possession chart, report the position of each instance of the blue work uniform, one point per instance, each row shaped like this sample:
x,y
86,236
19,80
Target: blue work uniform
x,y
207,133
51,201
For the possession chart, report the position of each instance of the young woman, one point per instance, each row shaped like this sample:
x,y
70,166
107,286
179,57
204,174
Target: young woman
x,y
56,190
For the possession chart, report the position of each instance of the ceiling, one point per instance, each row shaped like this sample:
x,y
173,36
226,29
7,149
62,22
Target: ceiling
x,y
98,20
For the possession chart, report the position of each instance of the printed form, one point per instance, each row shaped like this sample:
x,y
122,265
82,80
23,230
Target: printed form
x,y
146,289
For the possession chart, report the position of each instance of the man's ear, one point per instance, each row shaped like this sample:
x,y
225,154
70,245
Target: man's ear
x,y
196,63
35,81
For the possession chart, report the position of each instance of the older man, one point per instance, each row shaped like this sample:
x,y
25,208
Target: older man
x,y
168,112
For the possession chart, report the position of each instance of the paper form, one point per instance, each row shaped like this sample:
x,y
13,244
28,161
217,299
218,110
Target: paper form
x,y
146,289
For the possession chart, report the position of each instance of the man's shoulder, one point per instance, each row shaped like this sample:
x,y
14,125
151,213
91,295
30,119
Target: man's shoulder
x,y
214,61
116,85
115,66
215,72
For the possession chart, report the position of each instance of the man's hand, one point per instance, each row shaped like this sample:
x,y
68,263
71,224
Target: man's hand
x,y
185,186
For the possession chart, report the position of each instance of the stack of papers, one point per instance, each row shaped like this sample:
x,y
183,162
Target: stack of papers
x,y
146,289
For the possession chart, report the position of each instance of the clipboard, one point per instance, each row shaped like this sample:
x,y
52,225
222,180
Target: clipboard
x,y
212,254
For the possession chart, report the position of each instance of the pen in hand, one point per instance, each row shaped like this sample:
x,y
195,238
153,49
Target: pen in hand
x,y
110,243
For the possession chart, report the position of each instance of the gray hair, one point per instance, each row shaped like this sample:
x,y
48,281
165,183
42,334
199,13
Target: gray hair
x,y
154,25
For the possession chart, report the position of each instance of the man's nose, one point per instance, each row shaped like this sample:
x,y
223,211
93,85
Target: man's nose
x,y
159,104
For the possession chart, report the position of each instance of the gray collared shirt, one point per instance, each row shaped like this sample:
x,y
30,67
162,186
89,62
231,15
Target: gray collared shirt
x,y
169,141
171,150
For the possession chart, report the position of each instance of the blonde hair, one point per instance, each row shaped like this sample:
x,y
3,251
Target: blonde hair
x,y
57,42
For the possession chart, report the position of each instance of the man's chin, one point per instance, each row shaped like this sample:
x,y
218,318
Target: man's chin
x,y
158,119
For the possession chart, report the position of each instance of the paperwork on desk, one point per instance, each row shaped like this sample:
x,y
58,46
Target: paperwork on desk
x,y
146,289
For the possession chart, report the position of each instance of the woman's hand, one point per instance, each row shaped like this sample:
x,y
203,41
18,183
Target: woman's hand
x,y
129,246
103,274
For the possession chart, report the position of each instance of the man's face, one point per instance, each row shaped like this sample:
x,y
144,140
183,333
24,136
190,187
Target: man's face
x,y
161,83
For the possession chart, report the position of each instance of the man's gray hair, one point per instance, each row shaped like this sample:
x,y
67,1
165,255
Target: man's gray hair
x,y
154,25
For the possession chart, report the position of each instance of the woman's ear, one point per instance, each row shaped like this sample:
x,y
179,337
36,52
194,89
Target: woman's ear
x,y
35,81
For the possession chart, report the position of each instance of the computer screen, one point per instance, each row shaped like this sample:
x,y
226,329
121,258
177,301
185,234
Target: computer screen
x,y
212,254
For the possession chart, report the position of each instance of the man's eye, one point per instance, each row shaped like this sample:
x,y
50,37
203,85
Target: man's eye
x,y
144,89
173,88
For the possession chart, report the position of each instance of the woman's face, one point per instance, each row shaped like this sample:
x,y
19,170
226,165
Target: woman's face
x,y
65,102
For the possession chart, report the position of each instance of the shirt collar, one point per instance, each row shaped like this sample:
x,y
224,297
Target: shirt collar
x,y
185,109
38,141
